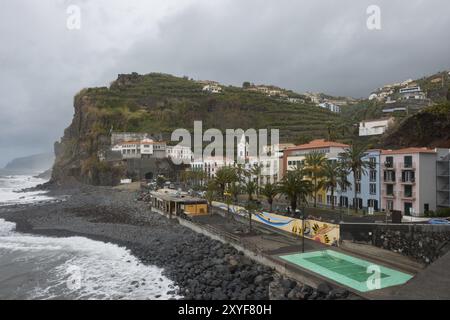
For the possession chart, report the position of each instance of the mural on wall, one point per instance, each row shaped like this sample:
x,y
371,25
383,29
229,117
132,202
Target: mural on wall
x,y
323,232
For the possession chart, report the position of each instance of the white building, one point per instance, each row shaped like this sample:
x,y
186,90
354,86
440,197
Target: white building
x,y
413,92
330,106
134,149
210,165
374,127
180,153
212,88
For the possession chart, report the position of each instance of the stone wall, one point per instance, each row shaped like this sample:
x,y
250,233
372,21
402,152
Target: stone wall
x,y
424,243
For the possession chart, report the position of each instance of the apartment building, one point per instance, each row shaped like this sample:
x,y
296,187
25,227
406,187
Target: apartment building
x,y
409,180
368,186
295,156
443,178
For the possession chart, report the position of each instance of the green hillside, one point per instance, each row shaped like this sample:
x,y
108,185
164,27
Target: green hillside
x,y
159,103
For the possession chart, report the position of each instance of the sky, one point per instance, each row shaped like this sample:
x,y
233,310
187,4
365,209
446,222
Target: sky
x,y
314,45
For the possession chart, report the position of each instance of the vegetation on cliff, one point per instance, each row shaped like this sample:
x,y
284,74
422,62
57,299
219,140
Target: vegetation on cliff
x,y
429,127
159,103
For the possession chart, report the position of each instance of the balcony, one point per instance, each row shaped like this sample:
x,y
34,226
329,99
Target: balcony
x,y
411,181
390,195
407,165
408,195
388,166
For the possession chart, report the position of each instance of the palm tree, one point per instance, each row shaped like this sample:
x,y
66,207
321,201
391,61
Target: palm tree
x,y
210,194
234,189
353,160
224,176
314,163
250,188
295,187
333,175
255,171
240,172
270,191
250,207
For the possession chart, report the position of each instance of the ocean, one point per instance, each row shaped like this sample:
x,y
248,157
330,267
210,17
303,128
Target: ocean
x,y
39,267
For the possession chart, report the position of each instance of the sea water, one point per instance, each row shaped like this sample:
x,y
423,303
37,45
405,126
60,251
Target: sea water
x,y
39,267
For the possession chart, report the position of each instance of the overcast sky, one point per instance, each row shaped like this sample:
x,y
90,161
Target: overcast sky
x,y
315,45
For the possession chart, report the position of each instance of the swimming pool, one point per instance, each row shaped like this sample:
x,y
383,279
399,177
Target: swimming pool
x,y
347,270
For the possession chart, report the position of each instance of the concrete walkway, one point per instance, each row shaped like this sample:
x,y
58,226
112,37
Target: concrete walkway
x,y
433,283
271,243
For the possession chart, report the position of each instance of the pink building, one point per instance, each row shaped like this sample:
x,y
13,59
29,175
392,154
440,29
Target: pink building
x,y
409,180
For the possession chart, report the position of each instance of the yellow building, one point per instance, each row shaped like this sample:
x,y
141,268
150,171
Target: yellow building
x,y
173,203
292,157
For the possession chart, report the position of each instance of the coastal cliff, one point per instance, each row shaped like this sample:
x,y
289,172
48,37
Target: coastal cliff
x,y
76,153
159,103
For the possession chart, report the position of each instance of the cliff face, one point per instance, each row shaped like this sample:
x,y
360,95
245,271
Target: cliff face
x,y
76,153
430,128
159,103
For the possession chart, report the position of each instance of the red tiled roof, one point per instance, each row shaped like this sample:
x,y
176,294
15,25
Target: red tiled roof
x,y
318,143
408,150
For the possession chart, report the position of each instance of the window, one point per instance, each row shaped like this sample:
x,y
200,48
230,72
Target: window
x,y
373,175
408,176
358,175
390,205
389,176
389,162
373,188
372,162
407,160
358,187
408,191
390,190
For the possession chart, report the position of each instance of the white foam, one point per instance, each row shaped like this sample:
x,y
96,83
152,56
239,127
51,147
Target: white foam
x,y
11,185
80,268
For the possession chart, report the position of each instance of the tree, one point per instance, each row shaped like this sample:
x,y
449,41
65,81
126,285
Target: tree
x,y
333,173
295,187
250,207
234,189
210,194
353,160
224,176
160,180
246,85
314,164
255,171
270,191
250,188
240,172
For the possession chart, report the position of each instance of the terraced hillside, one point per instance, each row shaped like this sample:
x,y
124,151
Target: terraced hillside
x,y
158,104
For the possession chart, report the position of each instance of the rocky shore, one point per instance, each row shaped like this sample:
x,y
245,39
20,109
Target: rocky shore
x,y
201,268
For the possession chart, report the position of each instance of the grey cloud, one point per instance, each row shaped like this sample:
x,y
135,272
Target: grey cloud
x,y
302,45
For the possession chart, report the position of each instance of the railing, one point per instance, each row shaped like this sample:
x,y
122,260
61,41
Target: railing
x,y
407,195
407,166
408,181
385,194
